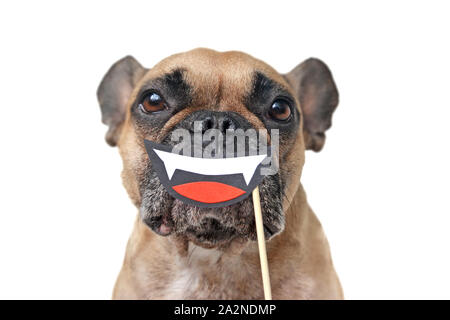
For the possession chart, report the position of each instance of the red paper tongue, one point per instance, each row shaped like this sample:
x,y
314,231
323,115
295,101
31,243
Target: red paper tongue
x,y
208,191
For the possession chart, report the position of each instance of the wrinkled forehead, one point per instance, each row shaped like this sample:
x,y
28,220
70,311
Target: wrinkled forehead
x,y
213,76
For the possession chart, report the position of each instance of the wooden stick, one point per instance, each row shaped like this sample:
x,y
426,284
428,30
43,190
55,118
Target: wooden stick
x,y
261,244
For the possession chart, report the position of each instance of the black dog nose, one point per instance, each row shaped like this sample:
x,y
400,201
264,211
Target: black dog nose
x,y
221,121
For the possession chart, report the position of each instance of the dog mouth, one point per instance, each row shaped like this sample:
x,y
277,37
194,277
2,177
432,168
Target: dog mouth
x,y
207,200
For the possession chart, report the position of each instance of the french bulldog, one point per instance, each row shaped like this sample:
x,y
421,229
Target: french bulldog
x,y
181,251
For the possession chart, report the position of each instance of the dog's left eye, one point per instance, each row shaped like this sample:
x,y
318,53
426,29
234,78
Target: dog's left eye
x,y
152,102
280,110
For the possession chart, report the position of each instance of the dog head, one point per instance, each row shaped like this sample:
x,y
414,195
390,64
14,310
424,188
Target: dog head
x,y
229,90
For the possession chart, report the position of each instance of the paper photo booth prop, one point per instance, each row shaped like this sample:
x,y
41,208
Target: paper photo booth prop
x,y
206,182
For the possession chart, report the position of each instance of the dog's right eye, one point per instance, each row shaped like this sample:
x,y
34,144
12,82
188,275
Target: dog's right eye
x,y
152,102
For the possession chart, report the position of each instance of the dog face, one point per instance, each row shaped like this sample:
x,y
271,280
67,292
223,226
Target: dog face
x,y
229,90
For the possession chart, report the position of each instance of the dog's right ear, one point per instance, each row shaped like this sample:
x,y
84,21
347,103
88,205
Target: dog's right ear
x,y
113,94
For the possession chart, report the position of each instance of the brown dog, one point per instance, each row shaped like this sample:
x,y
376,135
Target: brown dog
x,y
178,251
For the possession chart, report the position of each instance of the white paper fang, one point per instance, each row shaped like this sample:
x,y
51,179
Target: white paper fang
x,y
206,166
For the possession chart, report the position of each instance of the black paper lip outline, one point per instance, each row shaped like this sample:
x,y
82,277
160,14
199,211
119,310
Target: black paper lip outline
x,y
230,179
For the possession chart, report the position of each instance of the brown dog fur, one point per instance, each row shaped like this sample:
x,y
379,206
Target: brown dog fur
x,y
157,267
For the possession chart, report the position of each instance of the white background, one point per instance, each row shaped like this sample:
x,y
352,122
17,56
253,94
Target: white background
x,y
380,186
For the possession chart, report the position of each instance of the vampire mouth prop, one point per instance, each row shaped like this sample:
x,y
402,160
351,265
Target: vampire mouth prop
x,y
206,182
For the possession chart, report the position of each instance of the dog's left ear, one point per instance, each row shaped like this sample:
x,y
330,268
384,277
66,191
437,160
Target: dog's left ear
x,y
113,94
316,91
